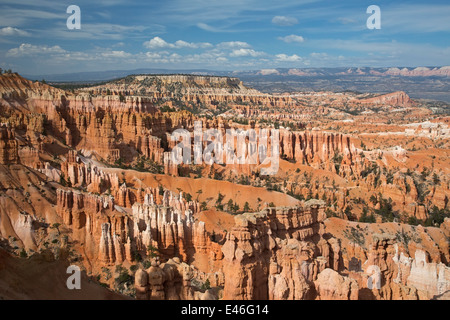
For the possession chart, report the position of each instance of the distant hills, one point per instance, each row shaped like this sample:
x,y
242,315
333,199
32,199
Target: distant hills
x,y
300,72
314,72
420,82
93,76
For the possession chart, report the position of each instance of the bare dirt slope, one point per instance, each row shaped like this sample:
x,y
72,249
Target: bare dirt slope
x,y
36,278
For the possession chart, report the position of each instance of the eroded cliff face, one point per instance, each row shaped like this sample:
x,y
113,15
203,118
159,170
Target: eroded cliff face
x,y
323,150
107,126
112,234
174,280
68,186
8,146
272,254
291,253
207,90
393,261
399,98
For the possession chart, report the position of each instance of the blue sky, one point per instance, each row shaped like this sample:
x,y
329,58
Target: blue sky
x,y
220,35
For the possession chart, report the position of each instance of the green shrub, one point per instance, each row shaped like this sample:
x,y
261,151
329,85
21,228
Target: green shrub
x,y
23,253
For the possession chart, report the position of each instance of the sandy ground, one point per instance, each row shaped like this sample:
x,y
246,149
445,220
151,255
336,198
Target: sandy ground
x,y
216,221
210,189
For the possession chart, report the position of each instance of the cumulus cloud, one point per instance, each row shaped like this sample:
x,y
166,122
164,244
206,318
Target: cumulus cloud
x,y
243,52
233,45
285,58
292,38
175,56
10,31
221,59
192,45
56,54
26,49
116,54
284,21
163,57
153,55
159,43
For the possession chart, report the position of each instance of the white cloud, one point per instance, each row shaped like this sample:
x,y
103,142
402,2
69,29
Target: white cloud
x,y
159,43
21,16
292,38
233,45
10,31
175,56
245,53
153,55
206,27
192,45
56,54
163,57
184,44
285,58
284,21
319,55
26,49
74,57
221,59
116,54
207,58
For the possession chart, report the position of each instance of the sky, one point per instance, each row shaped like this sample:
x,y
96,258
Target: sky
x,y
225,35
